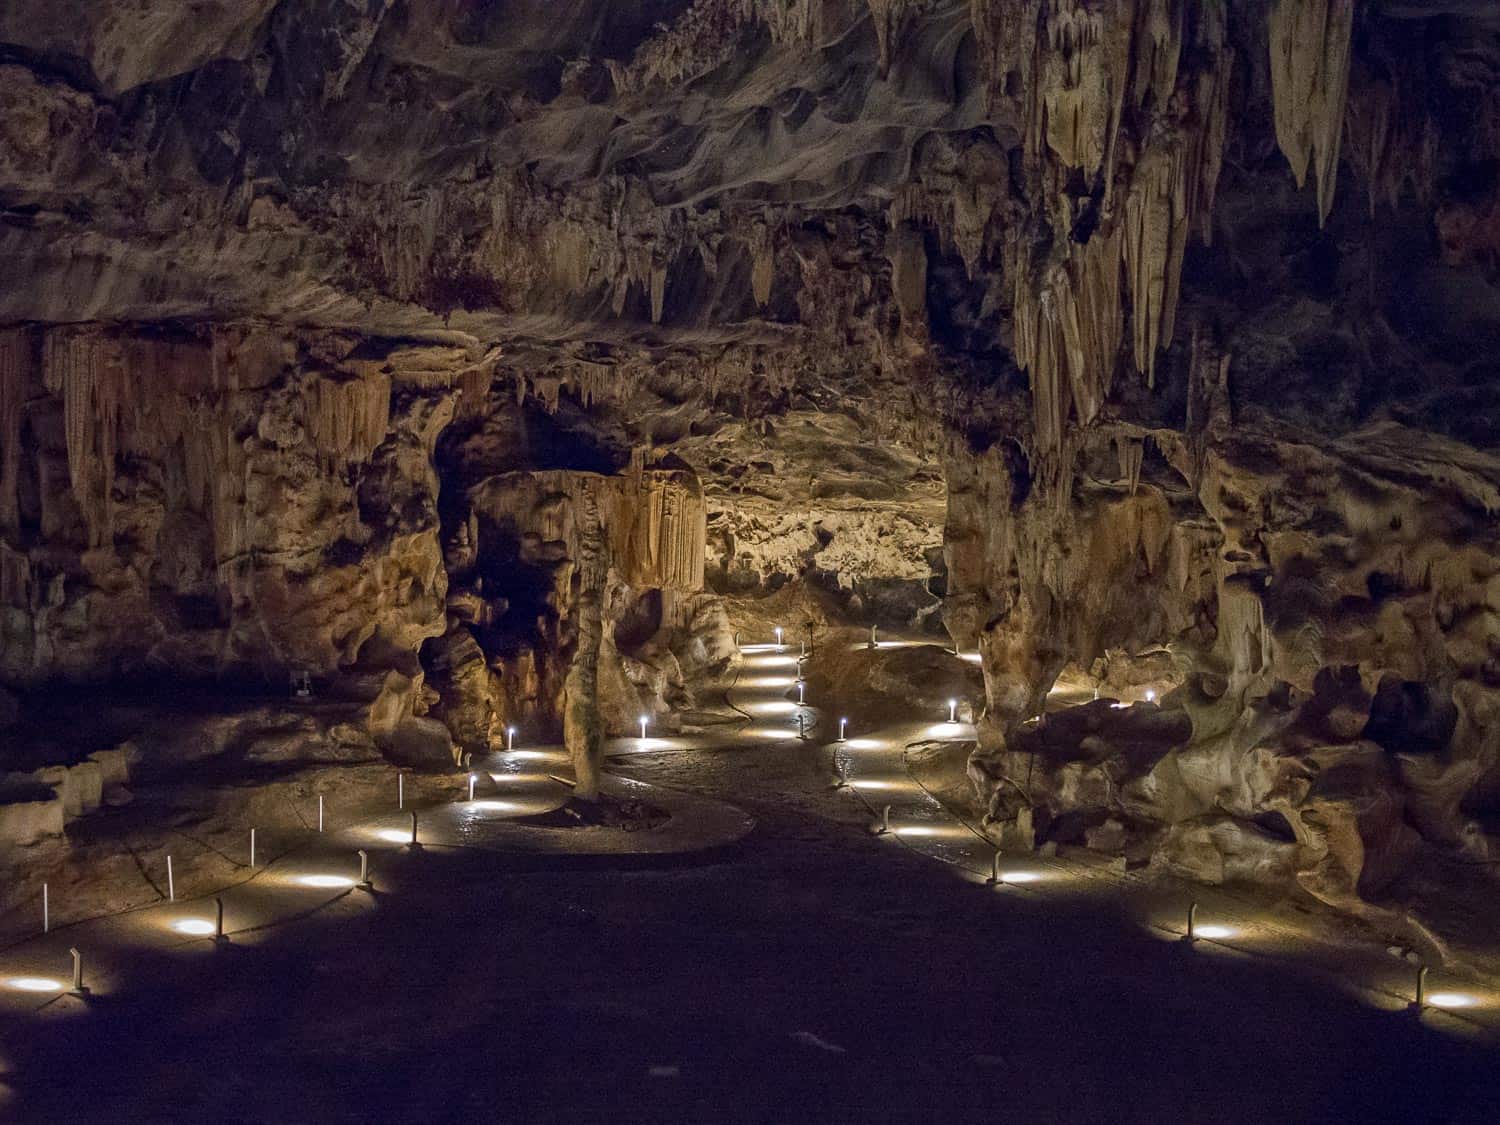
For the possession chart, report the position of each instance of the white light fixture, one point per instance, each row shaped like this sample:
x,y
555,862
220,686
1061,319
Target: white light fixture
x,y
778,637
643,728
510,738
801,691
1150,696
472,779
953,710
843,725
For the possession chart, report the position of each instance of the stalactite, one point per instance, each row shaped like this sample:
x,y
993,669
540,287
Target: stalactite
x,y
569,246
85,368
474,389
1310,42
15,577
15,382
1069,307
1068,333
890,18
658,290
347,418
1132,454
1156,235
1390,137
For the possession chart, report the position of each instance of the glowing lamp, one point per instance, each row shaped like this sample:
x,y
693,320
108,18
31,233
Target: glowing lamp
x,y
643,728
953,710
843,725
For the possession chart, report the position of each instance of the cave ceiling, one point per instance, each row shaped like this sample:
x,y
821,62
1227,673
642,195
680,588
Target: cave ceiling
x,y
993,199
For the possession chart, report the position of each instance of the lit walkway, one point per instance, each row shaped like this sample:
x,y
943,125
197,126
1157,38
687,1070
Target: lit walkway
x,y
873,765
321,877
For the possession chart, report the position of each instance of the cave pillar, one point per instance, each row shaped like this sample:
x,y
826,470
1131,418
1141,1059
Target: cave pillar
x,y
583,733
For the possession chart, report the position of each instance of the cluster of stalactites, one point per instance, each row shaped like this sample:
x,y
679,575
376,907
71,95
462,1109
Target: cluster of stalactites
x,y
123,394
705,36
1310,50
1109,98
347,417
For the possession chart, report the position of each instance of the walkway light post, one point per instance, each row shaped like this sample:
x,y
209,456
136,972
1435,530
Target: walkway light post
x,y
472,779
643,728
218,918
801,692
953,710
843,725
779,645
252,847
510,738
77,988
171,884
413,828
320,812
46,911
400,791
364,870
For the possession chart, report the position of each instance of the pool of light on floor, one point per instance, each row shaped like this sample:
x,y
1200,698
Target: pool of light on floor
x,y
768,682
1020,877
770,707
34,984
487,805
927,830
1214,933
326,882
193,927
394,835
1451,1000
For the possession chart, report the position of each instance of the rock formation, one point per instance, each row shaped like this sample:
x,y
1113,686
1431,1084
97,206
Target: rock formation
x,y
485,362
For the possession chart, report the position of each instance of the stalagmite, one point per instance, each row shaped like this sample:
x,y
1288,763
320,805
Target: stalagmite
x,y
1310,44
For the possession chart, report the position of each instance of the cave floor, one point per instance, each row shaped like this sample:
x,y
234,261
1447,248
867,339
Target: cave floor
x,y
807,971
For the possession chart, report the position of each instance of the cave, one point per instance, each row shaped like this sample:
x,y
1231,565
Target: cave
x,y
767,560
